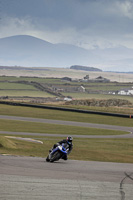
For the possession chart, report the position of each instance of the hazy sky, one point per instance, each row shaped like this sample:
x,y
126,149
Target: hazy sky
x,y
86,23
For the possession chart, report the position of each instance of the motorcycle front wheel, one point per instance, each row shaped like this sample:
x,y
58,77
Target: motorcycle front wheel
x,y
56,156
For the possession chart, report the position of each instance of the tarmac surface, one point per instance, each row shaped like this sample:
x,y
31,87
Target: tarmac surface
x,y
33,178
23,178
69,123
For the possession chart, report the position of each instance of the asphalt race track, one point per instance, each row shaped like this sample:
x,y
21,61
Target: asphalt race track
x,y
70,123
33,178
23,178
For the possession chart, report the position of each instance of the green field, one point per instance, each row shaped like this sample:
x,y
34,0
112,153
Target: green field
x,y
15,86
24,93
105,150
98,96
35,79
63,115
91,85
10,86
35,127
21,90
110,150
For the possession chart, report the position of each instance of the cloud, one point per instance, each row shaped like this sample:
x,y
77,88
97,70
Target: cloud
x,y
87,23
15,26
126,8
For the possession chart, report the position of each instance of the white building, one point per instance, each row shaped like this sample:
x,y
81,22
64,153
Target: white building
x,y
126,92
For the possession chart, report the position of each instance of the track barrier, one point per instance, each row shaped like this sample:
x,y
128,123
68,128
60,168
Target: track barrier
x,y
66,109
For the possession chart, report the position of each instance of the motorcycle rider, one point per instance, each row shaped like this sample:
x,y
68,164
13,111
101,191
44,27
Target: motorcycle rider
x,y
67,142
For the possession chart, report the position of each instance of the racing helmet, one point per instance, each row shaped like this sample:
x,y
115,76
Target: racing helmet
x,y
69,139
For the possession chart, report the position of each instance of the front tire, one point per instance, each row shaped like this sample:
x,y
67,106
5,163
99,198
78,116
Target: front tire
x,y
56,156
47,159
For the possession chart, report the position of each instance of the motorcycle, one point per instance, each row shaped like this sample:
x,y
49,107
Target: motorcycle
x,y
59,152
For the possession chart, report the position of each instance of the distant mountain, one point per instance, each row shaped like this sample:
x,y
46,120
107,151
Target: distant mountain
x,y
28,51
79,67
116,59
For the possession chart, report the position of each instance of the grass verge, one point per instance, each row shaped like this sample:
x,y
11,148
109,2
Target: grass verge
x,y
109,150
35,127
63,115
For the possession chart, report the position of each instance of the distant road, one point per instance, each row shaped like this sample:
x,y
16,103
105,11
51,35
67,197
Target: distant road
x,y
70,123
